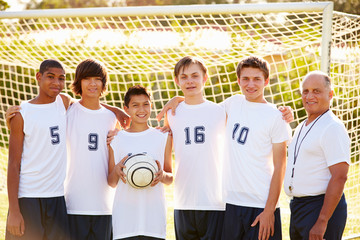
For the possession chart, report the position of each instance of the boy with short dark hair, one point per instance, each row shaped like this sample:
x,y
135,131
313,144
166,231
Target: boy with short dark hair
x,y
139,214
256,139
37,161
88,197
51,78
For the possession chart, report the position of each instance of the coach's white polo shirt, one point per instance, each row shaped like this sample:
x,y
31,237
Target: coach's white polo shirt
x,y
326,143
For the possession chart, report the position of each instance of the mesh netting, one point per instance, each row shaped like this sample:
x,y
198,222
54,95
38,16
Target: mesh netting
x,y
143,49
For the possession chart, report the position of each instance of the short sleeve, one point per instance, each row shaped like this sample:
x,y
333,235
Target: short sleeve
x,y
226,104
281,130
335,143
115,145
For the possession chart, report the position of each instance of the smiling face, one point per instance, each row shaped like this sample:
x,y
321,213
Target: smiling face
x,y
91,87
51,82
191,79
252,83
316,95
139,109
87,73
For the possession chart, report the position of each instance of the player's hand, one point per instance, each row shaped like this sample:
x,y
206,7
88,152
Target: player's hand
x,y
266,221
119,169
10,113
165,129
318,230
111,134
287,113
172,104
159,175
123,118
15,224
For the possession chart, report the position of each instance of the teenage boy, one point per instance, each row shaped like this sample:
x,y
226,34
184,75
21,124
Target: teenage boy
x,y
139,214
88,197
30,154
173,104
37,161
256,137
197,131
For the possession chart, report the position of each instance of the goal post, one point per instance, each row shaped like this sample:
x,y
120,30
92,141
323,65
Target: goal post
x,y
141,45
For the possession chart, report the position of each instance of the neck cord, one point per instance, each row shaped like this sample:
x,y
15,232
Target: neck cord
x,y
297,149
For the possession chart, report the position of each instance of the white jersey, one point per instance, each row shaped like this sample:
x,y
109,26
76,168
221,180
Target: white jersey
x,y
198,136
43,160
139,211
251,130
86,189
326,143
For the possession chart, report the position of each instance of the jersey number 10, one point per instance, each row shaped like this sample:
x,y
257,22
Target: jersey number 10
x,y
243,133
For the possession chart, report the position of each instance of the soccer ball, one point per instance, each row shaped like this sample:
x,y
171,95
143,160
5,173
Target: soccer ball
x,y
140,170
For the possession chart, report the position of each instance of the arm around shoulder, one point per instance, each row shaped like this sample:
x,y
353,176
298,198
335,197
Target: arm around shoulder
x,y
67,100
10,113
120,114
172,104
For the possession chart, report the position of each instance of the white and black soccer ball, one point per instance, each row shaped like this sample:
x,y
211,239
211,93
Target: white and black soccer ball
x,y
140,170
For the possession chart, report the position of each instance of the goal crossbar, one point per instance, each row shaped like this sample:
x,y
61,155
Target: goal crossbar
x,y
325,7
168,10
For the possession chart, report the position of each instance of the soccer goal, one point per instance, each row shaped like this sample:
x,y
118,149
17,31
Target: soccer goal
x,y
140,45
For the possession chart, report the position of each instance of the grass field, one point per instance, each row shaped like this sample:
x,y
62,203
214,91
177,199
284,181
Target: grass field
x,y
170,235
170,215
352,226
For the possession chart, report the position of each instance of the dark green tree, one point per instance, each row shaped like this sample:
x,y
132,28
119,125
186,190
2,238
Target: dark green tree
x,y
3,5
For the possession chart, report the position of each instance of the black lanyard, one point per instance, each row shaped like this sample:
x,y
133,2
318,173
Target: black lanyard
x,y
297,149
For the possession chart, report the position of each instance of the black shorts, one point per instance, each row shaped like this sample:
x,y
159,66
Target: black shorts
x,y
141,238
44,218
197,224
238,220
305,211
95,227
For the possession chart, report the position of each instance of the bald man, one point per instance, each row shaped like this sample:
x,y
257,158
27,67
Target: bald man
x,y
318,163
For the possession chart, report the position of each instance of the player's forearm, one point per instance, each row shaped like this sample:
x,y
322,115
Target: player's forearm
x,y
275,189
279,160
117,111
13,177
276,184
113,109
113,179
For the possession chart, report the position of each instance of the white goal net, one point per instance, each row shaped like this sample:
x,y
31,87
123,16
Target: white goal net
x,y
141,45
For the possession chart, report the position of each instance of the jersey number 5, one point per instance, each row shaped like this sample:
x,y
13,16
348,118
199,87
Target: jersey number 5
x,y
54,135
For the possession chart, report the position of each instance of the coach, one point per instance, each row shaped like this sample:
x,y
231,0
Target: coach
x,y
318,163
